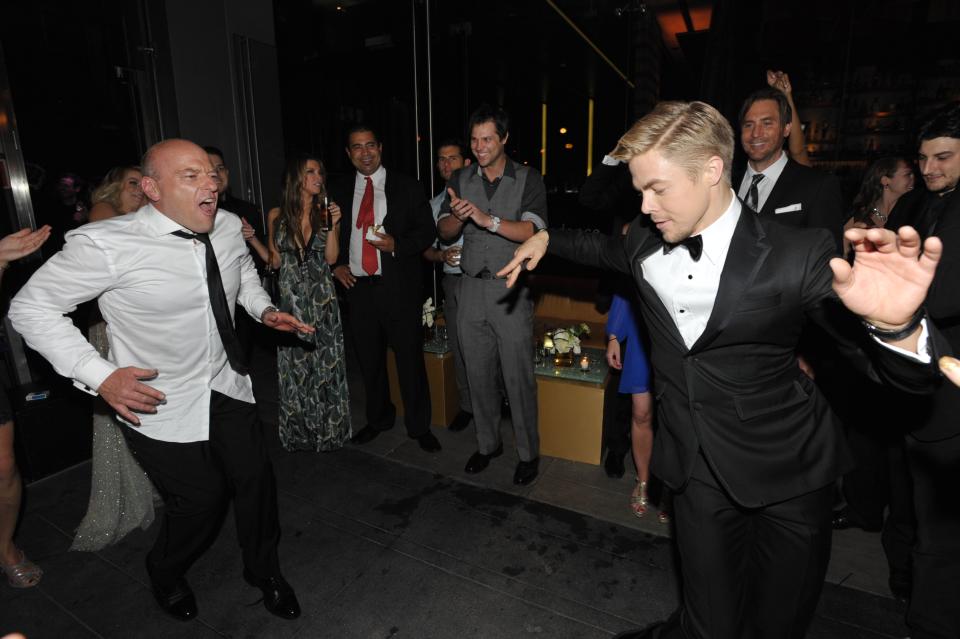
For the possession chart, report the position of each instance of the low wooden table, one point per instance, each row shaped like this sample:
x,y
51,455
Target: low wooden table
x,y
570,405
444,398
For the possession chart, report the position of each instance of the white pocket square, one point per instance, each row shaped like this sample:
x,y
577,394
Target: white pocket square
x,y
787,209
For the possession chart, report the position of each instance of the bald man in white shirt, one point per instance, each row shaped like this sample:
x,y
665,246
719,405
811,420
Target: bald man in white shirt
x,y
168,278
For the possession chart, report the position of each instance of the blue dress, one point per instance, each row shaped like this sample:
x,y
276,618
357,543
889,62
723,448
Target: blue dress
x,y
635,376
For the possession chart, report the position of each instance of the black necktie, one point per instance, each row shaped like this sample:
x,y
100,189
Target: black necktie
x,y
753,195
218,302
693,243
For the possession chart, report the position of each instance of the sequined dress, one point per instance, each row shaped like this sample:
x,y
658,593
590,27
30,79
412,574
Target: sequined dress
x,y
121,495
314,399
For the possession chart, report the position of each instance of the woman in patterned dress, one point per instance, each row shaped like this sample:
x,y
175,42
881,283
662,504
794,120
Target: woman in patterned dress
x,y
314,399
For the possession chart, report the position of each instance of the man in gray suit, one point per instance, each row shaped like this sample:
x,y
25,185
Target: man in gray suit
x,y
496,205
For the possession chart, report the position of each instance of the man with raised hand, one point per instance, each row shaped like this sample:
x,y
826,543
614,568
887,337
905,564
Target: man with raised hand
x,y
746,441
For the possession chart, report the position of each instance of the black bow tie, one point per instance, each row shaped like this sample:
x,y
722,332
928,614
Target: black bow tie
x,y
694,244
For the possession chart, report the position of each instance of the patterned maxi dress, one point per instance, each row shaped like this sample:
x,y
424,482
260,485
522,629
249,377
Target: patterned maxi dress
x,y
314,399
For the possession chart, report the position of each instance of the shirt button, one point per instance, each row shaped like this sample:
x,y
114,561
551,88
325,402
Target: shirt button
x,y
689,277
682,311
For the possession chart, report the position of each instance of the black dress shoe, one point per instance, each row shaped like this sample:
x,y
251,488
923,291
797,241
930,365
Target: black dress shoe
x,y
178,602
613,465
366,434
526,471
479,461
461,421
901,588
429,443
278,597
843,519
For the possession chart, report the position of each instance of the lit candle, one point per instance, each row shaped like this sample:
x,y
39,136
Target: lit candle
x,y
585,363
548,342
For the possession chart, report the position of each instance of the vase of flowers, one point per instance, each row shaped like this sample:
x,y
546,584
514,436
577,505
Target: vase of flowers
x,y
429,318
564,343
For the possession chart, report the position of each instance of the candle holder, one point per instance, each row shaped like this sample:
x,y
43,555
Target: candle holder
x,y
585,364
563,359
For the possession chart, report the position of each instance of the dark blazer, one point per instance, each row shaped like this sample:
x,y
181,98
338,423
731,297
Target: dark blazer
x,y
940,418
738,393
817,193
409,220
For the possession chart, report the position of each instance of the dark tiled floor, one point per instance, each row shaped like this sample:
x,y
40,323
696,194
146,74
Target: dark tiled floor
x,y
380,549
386,541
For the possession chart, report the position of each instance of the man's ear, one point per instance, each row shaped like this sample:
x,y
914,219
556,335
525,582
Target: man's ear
x,y
466,162
713,170
786,129
150,188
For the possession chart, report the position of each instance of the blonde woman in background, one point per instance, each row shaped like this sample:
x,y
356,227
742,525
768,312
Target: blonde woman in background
x,y
121,495
118,194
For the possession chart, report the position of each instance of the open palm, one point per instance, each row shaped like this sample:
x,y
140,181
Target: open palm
x,y
889,278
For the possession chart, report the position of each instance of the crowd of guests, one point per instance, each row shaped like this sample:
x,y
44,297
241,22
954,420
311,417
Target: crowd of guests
x,y
732,237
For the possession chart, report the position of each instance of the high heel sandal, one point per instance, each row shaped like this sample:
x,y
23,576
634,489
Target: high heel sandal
x,y
639,500
23,574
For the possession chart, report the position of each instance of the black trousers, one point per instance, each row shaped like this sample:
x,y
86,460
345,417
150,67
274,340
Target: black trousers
x,y
378,319
934,611
748,573
197,480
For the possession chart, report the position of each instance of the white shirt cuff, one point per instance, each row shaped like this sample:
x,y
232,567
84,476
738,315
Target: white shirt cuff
x,y
91,373
609,161
923,345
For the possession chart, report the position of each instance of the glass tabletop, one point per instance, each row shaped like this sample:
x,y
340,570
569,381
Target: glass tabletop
x,y
596,361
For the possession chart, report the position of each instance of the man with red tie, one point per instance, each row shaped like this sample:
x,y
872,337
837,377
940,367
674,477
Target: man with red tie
x,y
380,267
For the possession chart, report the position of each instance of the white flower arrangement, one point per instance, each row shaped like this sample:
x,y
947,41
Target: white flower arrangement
x,y
429,313
565,340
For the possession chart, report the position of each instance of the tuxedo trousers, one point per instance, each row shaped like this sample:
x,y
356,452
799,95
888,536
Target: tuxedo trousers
x,y
748,573
197,481
934,612
379,317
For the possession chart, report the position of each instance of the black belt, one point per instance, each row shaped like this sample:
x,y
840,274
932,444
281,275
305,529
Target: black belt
x,y
485,274
445,274
370,279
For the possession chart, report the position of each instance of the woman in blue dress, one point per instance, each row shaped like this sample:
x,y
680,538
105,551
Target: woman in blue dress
x,y
622,331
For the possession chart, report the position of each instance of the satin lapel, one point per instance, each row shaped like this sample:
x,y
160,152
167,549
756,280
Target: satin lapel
x,y
775,198
748,250
641,242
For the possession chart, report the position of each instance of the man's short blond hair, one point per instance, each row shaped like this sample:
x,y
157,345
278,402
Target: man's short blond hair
x,y
686,133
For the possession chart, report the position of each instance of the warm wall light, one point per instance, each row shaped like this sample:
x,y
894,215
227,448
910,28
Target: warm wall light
x,y
563,130
568,146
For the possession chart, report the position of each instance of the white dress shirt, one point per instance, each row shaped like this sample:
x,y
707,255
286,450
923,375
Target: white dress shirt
x,y
357,238
770,176
153,295
688,289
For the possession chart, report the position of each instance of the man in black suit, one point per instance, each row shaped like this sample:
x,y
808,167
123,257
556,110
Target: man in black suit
x,y
381,245
772,184
933,444
746,441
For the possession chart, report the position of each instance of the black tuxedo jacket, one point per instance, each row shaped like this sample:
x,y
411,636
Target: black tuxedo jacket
x,y
409,220
738,394
817,194
939,418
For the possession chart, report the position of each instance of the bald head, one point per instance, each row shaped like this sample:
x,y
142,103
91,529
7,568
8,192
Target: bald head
x,y
180,181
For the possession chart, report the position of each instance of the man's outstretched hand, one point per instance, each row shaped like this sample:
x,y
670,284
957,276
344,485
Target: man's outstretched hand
x,y
285,322
890,276
527,256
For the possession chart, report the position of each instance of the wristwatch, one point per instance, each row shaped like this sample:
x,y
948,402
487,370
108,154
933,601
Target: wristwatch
x,y
494,224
